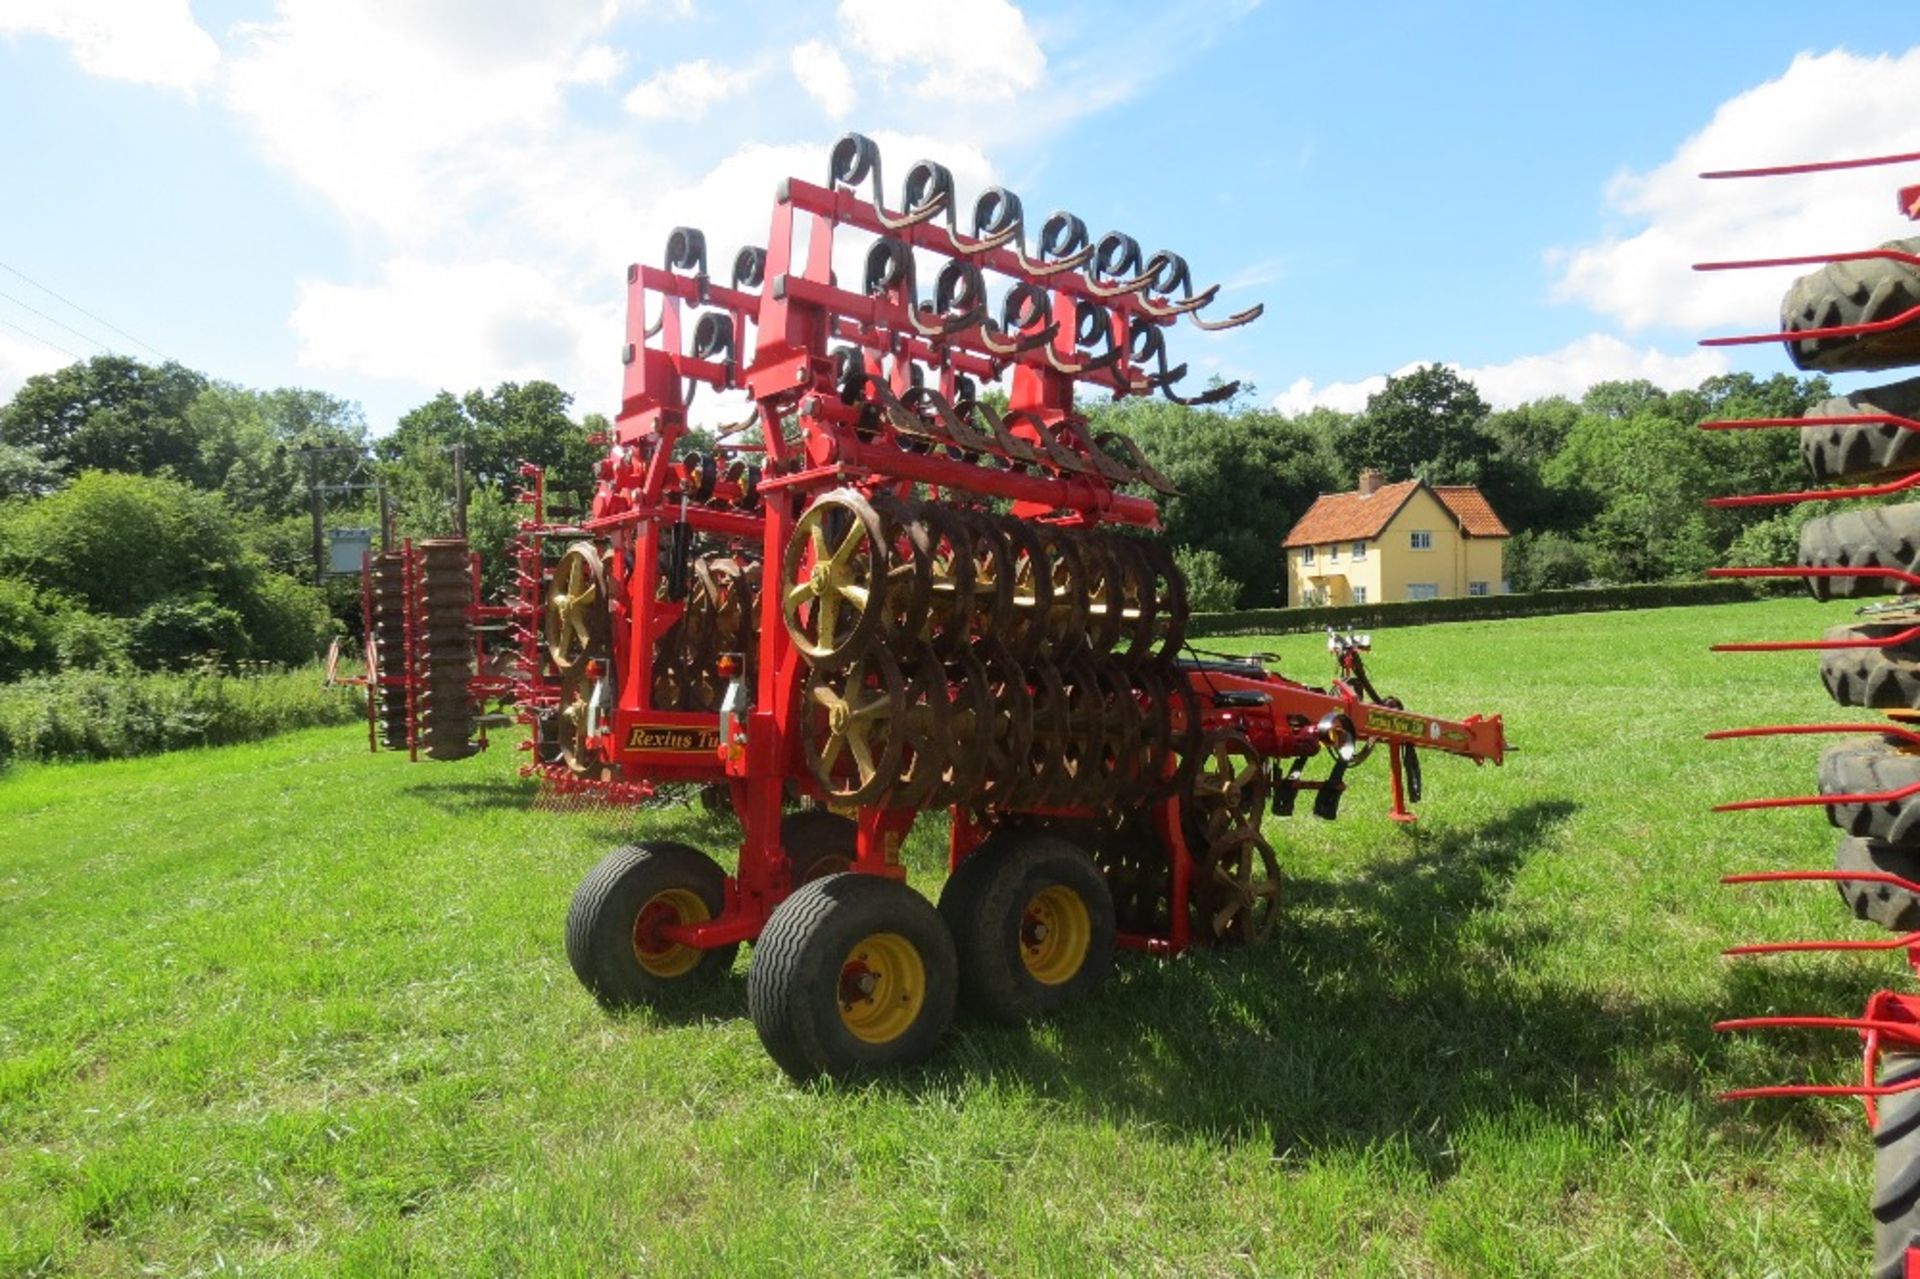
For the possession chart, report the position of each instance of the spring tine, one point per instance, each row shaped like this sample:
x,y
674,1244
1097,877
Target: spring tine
x,y
1892,322
1815,495
1815,801
1845,419
1895,574
1819,1090
1184,307
1807,730
1820,877
1788,646
1811,259
1796,947
1818,166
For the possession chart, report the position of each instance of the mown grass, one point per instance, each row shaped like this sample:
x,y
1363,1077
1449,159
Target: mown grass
x,y
286,1008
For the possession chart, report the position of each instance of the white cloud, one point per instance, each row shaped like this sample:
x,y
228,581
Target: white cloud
x,y
1569,371
597,64
145,41
686,91
1830,106
960,48
823,73
455,325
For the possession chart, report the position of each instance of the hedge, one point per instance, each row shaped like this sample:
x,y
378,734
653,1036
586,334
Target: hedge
x,y
1472,608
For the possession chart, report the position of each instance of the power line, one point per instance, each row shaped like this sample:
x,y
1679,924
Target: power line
x,y
51,320
82,310
42,341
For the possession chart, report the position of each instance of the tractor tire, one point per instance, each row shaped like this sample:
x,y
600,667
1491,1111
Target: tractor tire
x,y
1843,293
1867,766
853,974
632,888
1871,450
1033,926
1896,1170
1880,678
818,843
1887,905
1878,537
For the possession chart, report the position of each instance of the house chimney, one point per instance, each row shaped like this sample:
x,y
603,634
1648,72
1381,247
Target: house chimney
x,y
1369,481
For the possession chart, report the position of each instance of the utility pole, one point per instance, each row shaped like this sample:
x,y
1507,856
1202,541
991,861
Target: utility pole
x,y
316,502
460,491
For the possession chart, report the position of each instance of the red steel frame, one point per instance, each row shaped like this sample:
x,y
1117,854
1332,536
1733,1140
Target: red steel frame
x,y
796,313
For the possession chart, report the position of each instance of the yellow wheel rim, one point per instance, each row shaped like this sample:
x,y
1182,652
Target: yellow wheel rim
x,y
1055,933
671,906
883,987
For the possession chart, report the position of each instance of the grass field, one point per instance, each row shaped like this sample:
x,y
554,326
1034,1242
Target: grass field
x,y
287,1008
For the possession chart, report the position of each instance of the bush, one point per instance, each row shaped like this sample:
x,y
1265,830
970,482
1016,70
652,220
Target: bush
x,y
287,621
188,627
97,715
92,641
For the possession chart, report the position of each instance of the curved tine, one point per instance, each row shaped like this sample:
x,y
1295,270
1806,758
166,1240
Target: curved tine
x,y
1063,238
998,217
1138,460
904,419
749,268
1025,342
855,158
653,330
687,251
960,285
957,426
1010,444
1113,468
1188,306
1094,322
1247,316
1057,453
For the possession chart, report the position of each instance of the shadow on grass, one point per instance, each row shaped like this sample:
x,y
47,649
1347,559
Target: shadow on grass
x,y
1396,1006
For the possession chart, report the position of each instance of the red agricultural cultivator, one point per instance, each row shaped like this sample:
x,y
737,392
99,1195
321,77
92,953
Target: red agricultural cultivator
x,y
1859,312
888,591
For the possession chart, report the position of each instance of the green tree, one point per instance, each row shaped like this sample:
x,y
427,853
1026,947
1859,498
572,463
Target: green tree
x,y
1209,589
253,445
109,413
1244,478
1425,424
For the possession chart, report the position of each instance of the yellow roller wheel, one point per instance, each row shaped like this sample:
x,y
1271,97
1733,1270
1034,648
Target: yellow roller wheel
x,y
659,957
1056,931
883,987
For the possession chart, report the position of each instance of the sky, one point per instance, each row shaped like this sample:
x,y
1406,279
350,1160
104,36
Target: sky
x,y
385,198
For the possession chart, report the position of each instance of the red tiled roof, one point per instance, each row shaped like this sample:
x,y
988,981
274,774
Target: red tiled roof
x,y
1349,517
1469,506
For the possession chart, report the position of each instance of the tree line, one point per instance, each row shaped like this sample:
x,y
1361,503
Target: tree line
x,y
151,515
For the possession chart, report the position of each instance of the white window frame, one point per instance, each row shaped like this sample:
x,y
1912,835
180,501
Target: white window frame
x,y
1423,590
1360,551
1359,595
1306,555
1420,539
1477,588
1333,553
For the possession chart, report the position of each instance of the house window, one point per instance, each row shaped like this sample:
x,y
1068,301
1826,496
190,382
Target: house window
x,y
1359,595
1359,550
1476,588
1306,555
1423,590
1333,553
1422,540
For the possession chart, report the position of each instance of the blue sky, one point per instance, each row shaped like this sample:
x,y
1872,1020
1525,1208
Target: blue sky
x,y
383,198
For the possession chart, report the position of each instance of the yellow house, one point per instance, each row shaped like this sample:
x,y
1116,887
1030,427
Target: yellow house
x,y
1406,541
